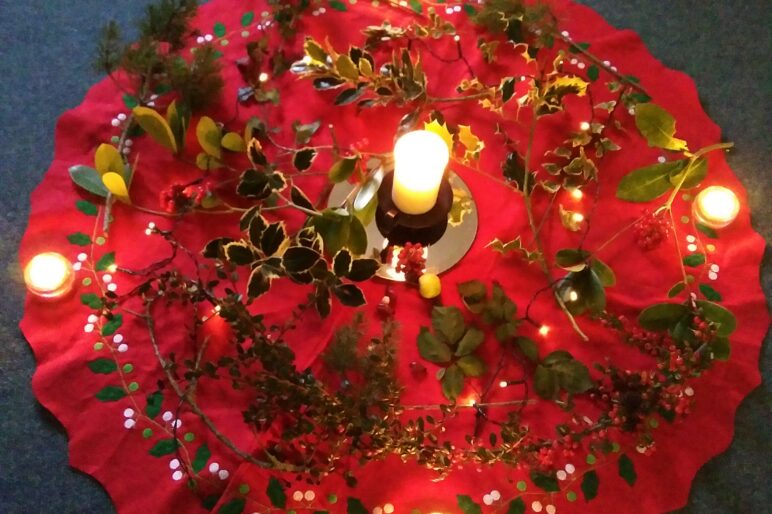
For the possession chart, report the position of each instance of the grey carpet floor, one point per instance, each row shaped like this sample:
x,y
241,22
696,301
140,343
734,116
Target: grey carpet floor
x,y
45,50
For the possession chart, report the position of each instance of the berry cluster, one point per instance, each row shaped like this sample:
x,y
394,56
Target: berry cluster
x,y
179,197
411,261
651,230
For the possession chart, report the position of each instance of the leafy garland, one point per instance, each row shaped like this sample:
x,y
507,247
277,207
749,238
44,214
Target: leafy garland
x,y
351,411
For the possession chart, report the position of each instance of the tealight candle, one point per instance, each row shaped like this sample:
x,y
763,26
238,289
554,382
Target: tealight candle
x,y
49,275
420,158
716,207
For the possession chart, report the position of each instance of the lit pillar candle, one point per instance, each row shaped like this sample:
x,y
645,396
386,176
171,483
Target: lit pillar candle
x,y
49,275
420,158
716,207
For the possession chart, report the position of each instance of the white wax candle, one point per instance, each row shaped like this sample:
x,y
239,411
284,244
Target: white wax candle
x,y
49,275
420,158
716,207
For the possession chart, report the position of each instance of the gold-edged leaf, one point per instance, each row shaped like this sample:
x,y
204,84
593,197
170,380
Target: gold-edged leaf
x,y
442,131
473,144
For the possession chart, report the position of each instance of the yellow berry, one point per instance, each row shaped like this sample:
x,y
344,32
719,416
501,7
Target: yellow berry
x,y
429,285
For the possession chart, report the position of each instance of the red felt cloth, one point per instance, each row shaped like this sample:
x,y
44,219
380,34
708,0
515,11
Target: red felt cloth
x,y
137,482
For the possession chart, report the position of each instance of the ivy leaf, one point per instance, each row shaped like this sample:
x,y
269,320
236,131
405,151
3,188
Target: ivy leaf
x,y
691,174
516,506
604,273
163,447
156,126
473,145
514,171
662,316
154,402
449,323
528,347
104,263
545,382
235,506
91,300
202,457
710,293
343,169
276,494
467,505
102,366
79,239
548,483
432,349
349,295
714,313
694,260
322,302
646,184
111,394
470,341
88,179
304,158
627,470
471,365
452,382
658,127
87,208
590,485
113,325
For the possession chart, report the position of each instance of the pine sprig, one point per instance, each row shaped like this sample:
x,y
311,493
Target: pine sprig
x,y
168,21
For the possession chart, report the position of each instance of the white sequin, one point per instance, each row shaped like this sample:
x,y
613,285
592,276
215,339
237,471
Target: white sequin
x,y
208,37
309,496
121,117
606,63
174,464
88,328
562,475
661,159
118,338
82,257
177,423
115,122
570,469
200,40
214,467
129,423
297,496
92,318
689,391
536,506
550,509
565,33
714,268
457,8
177,475
123,348
690,238
713,275
581,66
495,495
107,278
377,510
167,416
487,500
223,474
388,508
77,266
574,61
128,413
128,142
692,247
112,287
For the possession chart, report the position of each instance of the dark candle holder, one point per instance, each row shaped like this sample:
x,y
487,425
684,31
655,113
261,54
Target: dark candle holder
x,y
400,228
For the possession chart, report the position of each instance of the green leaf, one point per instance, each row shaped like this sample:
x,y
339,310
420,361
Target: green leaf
x,y
658,127
572,260
299,258
573,376
334,227
156,126
363,269
590,295
259,283
349,295
694,260
233,141
604,273
209,136
276,494
154,402
546,482
298,197
353,505
163,447
346,68
247,18
710,293
692,175
432,349
473,294
107,159
448,322
341,263
102,366
516,506
528,347
79,238
452,382
350,95
467,505
304,158
202,457
219,29
545,382
590,485
91,300
234,506
87,208
416,6
593,73
273,238
338,6
470,341
88,179
627,470
357,239
113,325
676,290
662,316
111,394
714,313
720,349
239,254
343,169
706,230
646,184
104,263
130,101
471,365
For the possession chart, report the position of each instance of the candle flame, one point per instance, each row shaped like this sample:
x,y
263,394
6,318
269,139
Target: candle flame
x,y
48,274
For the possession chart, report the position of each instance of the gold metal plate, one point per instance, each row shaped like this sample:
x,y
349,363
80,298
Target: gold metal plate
x,y
442,255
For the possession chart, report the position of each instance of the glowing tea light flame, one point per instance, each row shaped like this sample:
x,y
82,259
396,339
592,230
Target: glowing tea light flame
x,y
420,159
49,275
716,207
